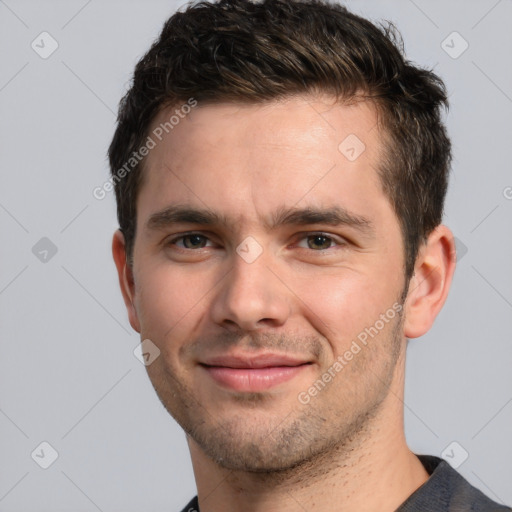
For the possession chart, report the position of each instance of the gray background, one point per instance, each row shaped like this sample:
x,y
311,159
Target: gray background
x,y
68,375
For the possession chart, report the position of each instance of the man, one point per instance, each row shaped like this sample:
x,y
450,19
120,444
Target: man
x,y
280,174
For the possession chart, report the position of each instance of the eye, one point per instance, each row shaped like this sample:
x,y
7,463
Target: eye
x,y
319,241
190,241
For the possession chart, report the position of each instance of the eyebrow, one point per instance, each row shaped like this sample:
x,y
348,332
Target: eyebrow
x,y
332,216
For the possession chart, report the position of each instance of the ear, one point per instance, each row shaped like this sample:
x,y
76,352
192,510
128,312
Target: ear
x,y
126,281
430,283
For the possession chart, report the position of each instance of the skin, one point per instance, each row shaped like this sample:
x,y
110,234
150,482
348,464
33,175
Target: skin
x,y
305,296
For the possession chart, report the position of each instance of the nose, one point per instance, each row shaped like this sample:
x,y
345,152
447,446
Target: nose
x,y
251,297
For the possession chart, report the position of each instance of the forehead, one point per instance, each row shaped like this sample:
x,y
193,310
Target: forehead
x,y
296,123
242,159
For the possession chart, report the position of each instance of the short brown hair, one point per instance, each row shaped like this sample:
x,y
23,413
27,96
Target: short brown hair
x,y
238,50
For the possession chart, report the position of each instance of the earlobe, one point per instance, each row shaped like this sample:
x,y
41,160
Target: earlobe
x,y
430,284
126,279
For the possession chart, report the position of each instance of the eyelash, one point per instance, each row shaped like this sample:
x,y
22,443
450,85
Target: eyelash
x,y
336,240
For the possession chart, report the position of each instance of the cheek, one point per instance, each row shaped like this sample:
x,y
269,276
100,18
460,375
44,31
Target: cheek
x,y
341,306
170,301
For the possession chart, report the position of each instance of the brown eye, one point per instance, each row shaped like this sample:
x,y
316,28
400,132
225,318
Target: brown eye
x,y
319,242
194,241
191,241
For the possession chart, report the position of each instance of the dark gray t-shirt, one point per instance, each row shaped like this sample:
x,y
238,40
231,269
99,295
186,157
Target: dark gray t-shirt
x,y
444,491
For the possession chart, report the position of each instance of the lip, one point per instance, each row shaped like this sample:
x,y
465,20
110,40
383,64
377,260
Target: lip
x,y
252,374
251,362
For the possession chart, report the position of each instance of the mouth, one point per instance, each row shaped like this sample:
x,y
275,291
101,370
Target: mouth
x,y
252,374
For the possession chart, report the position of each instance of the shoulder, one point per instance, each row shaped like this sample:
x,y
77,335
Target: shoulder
x,y
447,491
193,506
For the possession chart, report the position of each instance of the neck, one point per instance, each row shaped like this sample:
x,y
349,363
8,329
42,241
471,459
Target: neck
x,y
380,475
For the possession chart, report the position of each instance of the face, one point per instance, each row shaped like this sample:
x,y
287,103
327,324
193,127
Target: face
x,y
268,268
